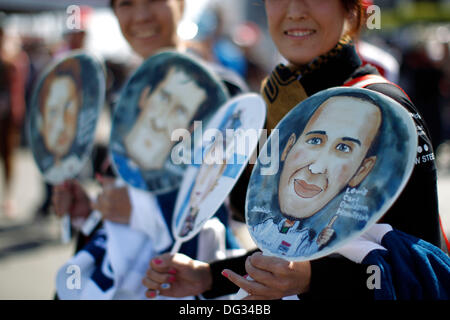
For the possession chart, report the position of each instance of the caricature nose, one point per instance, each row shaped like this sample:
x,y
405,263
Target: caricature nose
x,y
318,166
58,124
296,9
159,123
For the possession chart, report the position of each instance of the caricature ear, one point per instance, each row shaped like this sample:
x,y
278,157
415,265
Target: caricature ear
x,y
288,146
363,171
144,96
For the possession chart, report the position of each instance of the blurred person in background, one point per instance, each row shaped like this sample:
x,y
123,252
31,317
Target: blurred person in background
x,y
214,45
247,36
423,74
74,37
375,55
13,75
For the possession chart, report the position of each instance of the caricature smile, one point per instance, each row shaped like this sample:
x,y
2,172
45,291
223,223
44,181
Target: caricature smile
x,y
306,190
63,139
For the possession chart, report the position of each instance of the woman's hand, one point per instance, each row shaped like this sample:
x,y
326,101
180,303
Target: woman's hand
x,y
273,278
114,202
70,198
177,276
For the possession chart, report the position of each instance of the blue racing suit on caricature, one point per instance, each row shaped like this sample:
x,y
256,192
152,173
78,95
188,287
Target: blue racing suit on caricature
x,y
278,238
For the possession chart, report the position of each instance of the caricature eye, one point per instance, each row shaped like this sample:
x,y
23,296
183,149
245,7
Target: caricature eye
x,y
180,111
70,105
314,141
165,97
343,148
52,113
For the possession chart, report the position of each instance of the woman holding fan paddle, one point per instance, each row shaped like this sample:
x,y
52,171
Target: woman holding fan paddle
x,y
317,39
148,27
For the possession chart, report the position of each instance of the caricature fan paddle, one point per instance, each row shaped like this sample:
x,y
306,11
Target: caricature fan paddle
x,y
344,156
64,111
160,102
227,145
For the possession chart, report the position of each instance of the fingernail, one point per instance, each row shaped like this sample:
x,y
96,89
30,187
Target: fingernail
x,y
172,271
165,285
151,294
225,274
98,177
172,279
246,276
157,261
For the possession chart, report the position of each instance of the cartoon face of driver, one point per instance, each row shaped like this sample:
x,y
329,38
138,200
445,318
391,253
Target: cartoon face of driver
x,y
60,103
170,106
329,155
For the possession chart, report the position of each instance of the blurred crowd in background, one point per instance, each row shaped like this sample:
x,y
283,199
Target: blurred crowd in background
x,y
231,32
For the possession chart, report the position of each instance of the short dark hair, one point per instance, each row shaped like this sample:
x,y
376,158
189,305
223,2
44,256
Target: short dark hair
x,y
70,68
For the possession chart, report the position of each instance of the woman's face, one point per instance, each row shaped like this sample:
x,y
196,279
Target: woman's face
x,y
149,25
305,29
